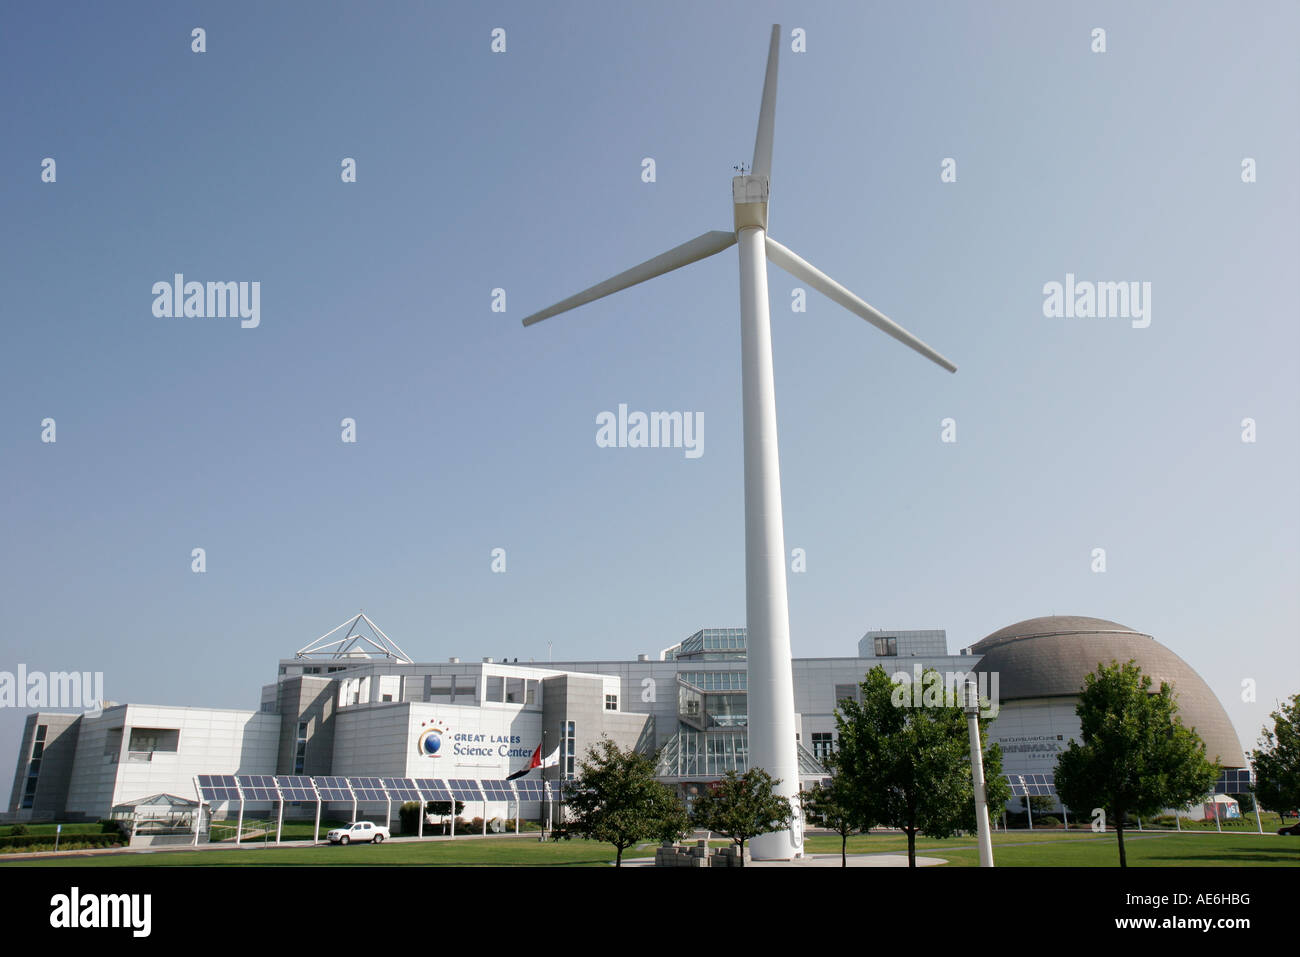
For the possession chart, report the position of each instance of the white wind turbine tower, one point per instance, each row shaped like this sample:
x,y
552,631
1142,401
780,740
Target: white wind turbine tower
x,y
771,685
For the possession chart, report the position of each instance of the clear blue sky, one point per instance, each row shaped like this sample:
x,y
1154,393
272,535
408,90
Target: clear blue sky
x,y
522,171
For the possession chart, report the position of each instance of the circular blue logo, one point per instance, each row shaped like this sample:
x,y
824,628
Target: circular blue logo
x,y
430,742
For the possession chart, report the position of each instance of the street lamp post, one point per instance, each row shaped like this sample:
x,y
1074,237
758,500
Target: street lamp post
x,y
977,772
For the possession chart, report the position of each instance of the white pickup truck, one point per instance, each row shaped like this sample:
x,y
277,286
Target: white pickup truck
x,y
360,831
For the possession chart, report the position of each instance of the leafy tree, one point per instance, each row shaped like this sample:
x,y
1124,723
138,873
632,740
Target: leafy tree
x,y
906,760
1277,760
1136,757
830,805
741,806
618,801
1040,804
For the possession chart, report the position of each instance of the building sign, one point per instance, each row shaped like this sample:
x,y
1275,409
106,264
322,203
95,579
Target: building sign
x,y
1031,749
433,739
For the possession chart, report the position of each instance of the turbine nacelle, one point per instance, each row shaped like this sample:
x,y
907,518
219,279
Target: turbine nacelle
x,y
749,201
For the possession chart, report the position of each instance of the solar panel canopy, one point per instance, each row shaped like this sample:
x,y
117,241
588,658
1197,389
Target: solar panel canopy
x,y
218,787
466,790
295,787
368,789
433,789
529,789
333,788
401,789
498,790
258,787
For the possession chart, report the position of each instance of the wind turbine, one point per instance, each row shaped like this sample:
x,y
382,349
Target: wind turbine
x,y
771,682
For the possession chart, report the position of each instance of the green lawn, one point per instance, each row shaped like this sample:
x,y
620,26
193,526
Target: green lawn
x,y
93,827
1039,849
1085,849
468,851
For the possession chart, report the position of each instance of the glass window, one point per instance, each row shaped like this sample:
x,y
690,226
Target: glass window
x,y
846,693
823,742
570,742
40,731
611,702
515,690
886,647
496,688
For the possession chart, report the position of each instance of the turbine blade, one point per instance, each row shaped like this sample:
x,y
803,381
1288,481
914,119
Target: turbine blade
x,y
828,287
701,247
762,165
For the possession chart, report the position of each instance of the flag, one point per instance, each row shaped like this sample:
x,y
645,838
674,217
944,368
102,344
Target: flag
x,y
550,761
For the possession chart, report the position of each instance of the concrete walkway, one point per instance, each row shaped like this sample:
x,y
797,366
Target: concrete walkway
x,y
820,860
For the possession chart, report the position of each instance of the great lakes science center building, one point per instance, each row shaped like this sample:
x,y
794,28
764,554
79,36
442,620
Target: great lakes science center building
x,y
358,707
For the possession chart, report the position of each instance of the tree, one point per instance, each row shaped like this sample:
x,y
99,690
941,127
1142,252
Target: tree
x,y
409,813
1040,804
617,800
830,805
1136,757
1277,760
741,806
905,757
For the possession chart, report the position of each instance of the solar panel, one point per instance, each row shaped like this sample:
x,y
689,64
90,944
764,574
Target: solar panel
x,y
1234,781
401,789
296,788
218,787
333,789
497,790
562,790
465,789
258,787
433,789
368,789
529,789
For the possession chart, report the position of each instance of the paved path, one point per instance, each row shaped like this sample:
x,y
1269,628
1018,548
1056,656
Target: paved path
x,y
822,860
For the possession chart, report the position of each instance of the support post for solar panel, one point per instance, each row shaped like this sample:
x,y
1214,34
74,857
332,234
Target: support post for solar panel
x,y
1066,815
1139,817
484,813
198,817
453,813
279,821
239,831
1029,809
388,808
1218,825
354,805
1258,823
316,838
